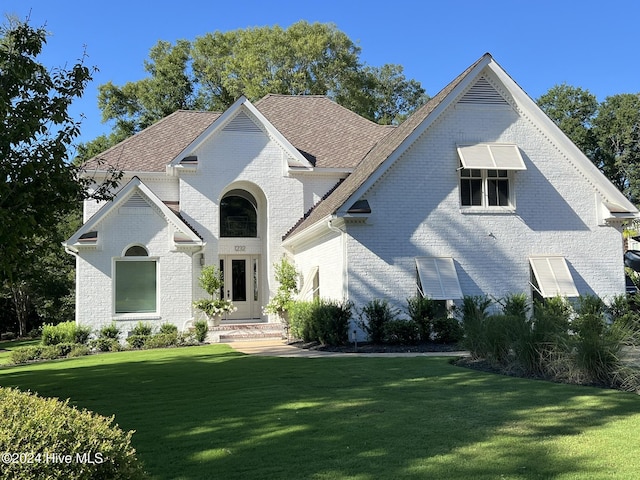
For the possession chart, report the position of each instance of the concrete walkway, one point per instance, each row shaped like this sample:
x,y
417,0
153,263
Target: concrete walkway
x,y
278,348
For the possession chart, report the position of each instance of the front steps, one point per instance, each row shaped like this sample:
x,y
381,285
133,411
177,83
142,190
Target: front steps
x,y
242,331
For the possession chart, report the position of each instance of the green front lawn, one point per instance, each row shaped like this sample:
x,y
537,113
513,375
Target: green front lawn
x,y
210,412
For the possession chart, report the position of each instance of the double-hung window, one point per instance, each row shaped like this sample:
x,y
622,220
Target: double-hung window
x,y
487,174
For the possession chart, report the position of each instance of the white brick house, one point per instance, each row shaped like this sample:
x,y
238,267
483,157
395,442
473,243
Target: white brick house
x,y
478,192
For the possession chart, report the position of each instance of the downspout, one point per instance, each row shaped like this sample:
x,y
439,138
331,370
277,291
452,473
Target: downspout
x,y
70,251
191,320
345,269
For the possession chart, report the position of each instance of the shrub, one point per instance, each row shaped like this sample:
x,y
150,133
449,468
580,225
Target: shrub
x,y
201,328
161,340
324,321
65,332
300,320
82,334
373,318
286,276
474,312
446,330
105,344
110,331
59,350
79,351
516,305
401,332
63,429
137,341
62,332
186,339
423,311
330,321
142,329
168,328
26,354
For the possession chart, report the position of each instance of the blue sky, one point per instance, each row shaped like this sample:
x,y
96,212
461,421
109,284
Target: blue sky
x,y
589,44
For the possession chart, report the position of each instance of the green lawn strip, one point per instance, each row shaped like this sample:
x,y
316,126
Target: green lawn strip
x,y
210,412
7,346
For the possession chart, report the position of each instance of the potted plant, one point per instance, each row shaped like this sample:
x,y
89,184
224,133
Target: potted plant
x,y
211,282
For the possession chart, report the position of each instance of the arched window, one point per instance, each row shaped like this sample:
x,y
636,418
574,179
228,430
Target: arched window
x,y
136,251
238,215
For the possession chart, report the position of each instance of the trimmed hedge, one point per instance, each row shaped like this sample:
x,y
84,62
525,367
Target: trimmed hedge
x,y
47,438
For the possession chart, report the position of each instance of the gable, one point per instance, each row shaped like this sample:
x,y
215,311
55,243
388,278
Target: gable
x,y
483,84
135,198
242,117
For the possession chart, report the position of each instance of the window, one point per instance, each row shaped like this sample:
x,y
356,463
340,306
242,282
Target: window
x,y
486,174
238,215
484,188
135,280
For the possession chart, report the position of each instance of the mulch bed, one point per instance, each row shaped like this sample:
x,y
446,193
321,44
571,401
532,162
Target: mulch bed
x,y
366,347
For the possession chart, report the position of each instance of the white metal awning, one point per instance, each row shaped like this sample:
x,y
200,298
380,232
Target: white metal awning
x,y
438,278
491,156
307,291
553,277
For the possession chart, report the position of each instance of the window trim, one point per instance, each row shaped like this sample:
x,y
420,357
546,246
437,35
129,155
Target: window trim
x,y
134,315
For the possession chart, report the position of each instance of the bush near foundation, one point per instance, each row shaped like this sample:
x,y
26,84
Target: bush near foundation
x,y
324,321
35,432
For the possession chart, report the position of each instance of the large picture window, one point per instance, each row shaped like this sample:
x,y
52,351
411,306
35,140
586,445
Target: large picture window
x,y
135,282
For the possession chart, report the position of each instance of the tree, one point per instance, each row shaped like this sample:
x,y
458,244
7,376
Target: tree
x,y
608,132
38,185
617,130
215,69
389,97
138,105
573,110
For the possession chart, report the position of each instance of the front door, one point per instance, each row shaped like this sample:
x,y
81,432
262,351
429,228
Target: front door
x,y
240,274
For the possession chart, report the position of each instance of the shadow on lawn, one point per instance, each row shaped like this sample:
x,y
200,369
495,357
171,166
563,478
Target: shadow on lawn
x,y
220,414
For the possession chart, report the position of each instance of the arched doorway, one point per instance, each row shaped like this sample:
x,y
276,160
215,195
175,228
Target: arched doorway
x,y
240,250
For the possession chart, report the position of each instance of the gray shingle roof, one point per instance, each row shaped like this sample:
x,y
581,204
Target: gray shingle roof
x,y
372,161
152,149
327,134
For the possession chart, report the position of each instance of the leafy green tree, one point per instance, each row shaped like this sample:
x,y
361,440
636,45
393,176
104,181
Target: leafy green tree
x,y
304,59
573,110
617,130
389,97
215,69
608,132
38,184
137,105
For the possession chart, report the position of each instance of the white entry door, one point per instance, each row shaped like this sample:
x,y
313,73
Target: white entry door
x,y
241,285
